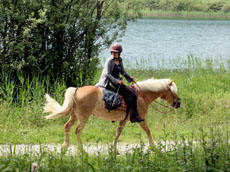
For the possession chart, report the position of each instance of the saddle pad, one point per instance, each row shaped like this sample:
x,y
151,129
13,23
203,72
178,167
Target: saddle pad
x,y
120,108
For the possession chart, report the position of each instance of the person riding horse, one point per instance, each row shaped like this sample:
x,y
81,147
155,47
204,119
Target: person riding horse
x,y
110,79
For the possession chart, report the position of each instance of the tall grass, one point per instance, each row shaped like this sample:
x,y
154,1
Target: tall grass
x,y
203,85
28,90
192,138
209,153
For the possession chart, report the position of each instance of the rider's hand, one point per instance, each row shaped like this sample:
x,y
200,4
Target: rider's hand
x,y
120,82
132,78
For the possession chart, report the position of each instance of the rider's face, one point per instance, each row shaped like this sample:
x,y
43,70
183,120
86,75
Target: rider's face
x,y
115,55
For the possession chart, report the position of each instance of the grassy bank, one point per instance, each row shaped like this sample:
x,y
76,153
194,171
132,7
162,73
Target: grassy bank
x,y
199,129
202,85
190,15
191,9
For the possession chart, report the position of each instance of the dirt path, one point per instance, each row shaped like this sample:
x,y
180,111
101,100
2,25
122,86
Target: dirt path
x,y
91,149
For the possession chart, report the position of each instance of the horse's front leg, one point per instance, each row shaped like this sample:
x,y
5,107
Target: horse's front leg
x,y
146,129
119,130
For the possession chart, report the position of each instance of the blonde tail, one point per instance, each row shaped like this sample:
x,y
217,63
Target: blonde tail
x,y
56,110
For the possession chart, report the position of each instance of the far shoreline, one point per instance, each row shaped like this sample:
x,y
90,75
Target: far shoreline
x,y
195,15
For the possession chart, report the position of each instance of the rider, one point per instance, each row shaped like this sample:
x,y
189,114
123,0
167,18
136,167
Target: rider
x,y
110,79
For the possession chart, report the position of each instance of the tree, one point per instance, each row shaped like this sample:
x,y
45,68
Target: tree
x,y
179,5
215,6
59,38
153,4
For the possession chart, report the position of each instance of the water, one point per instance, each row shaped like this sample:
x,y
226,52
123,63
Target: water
x,y
161,42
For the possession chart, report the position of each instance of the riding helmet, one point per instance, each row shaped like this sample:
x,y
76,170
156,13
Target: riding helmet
x,y
116,48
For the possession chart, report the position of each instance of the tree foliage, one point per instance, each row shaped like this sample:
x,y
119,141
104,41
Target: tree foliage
x,y
59,38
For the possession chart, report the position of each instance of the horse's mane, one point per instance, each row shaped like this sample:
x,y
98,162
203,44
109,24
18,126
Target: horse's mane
x,y
156,85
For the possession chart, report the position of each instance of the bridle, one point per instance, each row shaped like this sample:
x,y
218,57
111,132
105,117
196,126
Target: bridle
x,y
176,103
166,106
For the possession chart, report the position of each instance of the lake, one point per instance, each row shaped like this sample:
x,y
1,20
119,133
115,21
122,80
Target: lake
x,y
160,43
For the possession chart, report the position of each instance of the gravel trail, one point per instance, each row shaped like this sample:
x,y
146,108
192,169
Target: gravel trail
x,y
91,149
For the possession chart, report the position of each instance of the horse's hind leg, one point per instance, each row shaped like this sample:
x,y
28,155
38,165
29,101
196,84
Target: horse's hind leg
x,y
68,126
78,131
119,130
146,128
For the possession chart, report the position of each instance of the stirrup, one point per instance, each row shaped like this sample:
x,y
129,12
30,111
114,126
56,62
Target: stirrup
x,y
136,119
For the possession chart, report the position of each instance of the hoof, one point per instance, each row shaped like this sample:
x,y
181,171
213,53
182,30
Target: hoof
x,y
64,145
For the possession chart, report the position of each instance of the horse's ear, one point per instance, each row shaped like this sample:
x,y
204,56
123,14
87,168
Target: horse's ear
x,y
170,82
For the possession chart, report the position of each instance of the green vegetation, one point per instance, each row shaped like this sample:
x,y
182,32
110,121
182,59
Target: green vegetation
x,y
188,5
188,15
189,9
45,49
58,39
199,129
205,154
203,87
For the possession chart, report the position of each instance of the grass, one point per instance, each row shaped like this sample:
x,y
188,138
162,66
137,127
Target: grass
x,y
186,15
209,153
200,128
203,87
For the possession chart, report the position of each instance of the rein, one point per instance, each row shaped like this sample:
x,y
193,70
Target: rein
x,y
157,103
116,94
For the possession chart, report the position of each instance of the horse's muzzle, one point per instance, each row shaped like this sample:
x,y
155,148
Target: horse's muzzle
x,y
177,103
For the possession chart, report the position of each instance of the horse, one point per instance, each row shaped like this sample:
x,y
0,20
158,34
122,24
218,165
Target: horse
x,y
85,101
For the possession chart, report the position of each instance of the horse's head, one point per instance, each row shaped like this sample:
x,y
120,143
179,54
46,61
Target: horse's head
x,y
170,95
165,88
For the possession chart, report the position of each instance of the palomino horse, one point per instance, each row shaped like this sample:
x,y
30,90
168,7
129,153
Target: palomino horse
x,y
82,102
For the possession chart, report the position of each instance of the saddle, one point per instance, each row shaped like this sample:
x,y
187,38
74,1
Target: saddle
x,y
113,101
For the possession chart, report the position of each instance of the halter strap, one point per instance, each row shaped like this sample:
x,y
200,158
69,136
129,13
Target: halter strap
x,y
158,102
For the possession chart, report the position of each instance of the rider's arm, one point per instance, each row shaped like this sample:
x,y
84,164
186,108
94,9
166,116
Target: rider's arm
x,y
126,75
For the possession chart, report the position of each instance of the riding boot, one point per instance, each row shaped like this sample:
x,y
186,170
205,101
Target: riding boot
x,y
134,117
